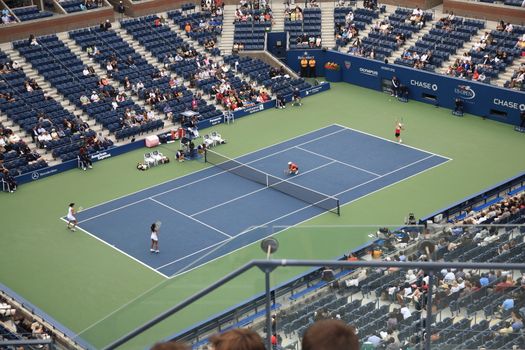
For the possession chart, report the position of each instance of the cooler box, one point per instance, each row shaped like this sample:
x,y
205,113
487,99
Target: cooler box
x,y
152,141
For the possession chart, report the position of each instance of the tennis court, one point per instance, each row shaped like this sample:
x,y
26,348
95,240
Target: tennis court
x,y
215,211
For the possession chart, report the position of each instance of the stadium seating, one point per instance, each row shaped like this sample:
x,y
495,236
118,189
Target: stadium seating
x,y
71,6
29,13
260,72
362,17
64,70
196,19
308,27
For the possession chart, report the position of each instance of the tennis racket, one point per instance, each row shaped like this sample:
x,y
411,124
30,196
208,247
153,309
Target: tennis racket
x,y
158,224
80,209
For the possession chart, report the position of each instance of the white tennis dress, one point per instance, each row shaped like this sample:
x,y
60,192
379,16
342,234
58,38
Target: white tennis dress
x,y
70,215
154,236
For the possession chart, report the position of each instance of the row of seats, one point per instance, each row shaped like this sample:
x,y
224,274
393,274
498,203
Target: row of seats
x,y
64,70
160,43
29,13
260,72
195,19
251,34
72,6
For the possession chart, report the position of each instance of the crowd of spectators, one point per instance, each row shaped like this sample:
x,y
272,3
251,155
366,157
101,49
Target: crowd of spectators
x,y
14,321
308,41
252,11
223,92
496,213
324,334
420,61
464,68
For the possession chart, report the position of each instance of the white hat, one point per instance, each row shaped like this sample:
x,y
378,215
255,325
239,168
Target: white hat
x,y
289,163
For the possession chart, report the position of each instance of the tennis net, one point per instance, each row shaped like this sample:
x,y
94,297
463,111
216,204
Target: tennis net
x,y
304,194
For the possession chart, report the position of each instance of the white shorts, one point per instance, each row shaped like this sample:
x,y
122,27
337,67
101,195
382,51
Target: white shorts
x,y
70,218
154,236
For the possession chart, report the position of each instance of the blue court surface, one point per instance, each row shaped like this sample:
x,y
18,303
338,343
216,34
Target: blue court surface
x,y
210,213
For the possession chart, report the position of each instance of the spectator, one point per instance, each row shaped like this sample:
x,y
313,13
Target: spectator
x,y
172,345
238,339
330,335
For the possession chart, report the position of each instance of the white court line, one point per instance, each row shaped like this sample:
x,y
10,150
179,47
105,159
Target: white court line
x,y
117,249
112,210
196,252
232,237
313,217
386,174
261,189
196,220
201,179
391,141
338,161
197,171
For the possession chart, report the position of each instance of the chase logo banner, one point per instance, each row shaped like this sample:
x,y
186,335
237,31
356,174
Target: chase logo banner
x,y
348,64
465,92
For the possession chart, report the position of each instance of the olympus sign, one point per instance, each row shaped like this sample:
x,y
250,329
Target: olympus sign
x,y
424,85
510,104
372,73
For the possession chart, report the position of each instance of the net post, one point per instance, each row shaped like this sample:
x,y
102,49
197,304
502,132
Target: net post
x,y
205,155
338,208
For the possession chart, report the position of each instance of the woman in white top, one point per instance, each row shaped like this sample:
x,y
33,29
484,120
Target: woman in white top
x,y
71,217
154,239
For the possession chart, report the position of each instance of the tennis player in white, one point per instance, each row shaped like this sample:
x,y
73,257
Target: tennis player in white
x,y
154,239
71,217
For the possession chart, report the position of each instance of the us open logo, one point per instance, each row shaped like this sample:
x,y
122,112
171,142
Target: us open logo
x,y
465,92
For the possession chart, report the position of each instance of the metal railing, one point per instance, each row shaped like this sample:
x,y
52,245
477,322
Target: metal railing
x,y
267,266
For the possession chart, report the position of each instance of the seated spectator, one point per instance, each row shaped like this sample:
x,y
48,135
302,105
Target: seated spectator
x,y
94,97
330,335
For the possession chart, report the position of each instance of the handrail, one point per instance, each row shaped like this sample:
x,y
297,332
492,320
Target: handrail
x,y
269,265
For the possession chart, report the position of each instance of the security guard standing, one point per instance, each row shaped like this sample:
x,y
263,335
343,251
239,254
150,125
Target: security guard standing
x,y
304,67
311,64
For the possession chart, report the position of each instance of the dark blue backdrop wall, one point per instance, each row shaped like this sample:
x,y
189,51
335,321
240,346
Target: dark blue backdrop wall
x,y
483,100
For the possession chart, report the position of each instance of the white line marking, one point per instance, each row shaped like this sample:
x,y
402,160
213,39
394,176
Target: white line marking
x,y
391,141
386,174
119,250
112,210
198,180
261,189
337,161
197,171
196,220
305,220
123,306
196,252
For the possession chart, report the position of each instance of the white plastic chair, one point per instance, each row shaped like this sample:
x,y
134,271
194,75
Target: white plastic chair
x,y
208,141
149,160
157,157
217,138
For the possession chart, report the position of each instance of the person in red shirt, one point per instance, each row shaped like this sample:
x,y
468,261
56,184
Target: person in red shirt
x,y
293,169
399,127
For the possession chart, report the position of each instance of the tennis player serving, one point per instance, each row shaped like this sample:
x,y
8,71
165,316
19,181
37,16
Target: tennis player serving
x,y
293,169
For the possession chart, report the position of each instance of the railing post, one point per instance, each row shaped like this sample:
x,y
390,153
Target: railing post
x,y
267,272
429,309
